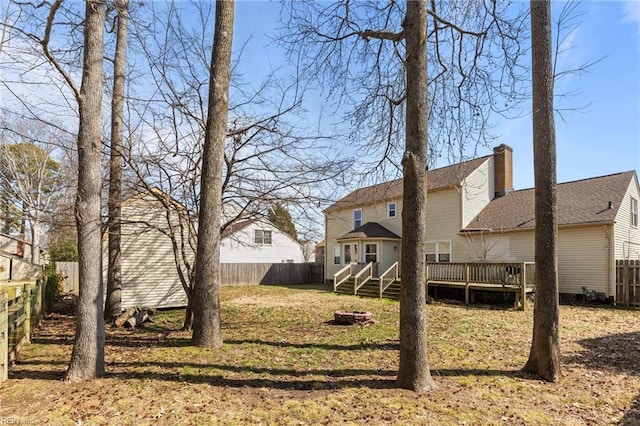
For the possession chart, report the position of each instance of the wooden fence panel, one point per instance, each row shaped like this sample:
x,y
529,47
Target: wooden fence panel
x,y
70,272
4,337
265,273
628,283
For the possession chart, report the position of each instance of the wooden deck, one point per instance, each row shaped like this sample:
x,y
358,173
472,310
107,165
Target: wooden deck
x,y
510,277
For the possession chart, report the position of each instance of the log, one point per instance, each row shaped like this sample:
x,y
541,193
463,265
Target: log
x,y
137,320
125,316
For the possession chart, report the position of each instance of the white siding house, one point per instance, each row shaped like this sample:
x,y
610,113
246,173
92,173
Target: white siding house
x,y
474,215
258,241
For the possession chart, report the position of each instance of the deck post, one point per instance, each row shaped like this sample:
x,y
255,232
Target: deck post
x,y
523,286
466,283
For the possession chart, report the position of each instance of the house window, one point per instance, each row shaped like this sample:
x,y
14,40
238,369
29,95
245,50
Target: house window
x,y
357,218
370,253
262,237
634,212
439,251
336,255
392,211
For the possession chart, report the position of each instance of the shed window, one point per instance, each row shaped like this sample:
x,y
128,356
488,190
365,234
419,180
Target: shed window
x,y
357,218
634,212
392,211
262,237
439,251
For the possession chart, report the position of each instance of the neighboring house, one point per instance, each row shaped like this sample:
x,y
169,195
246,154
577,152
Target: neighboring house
x,y
149,273
258,241
473,215
15,259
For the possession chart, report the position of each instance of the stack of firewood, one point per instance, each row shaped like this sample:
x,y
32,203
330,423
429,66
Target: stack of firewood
x,y
135,317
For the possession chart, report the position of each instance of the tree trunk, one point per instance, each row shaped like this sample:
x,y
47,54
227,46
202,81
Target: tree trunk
x,y
35,240
114,273
414,371
544,358
206,303
87,358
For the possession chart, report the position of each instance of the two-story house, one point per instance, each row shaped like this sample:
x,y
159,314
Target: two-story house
x,y
474,215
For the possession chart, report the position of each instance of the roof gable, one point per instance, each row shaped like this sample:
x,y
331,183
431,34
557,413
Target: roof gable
x,y
370,230
580,202
443,177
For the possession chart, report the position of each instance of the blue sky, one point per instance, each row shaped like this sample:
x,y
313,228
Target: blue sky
x,y
602,139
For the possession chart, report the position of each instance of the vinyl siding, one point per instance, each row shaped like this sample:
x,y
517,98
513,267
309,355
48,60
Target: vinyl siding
x,y
477,191
340,222
582,255
444,217
240,247
627,237
149,275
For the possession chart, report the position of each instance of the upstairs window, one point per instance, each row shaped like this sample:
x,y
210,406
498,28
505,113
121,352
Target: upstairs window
x,y
392,211
634,212
439,251
262,237
357,218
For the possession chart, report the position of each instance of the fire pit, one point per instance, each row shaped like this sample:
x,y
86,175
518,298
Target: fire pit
x,y
354,317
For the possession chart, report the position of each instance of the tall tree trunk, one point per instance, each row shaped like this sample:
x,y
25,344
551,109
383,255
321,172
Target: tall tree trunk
x,y
87,358
35,239
114,273
414,371
544,358
206,303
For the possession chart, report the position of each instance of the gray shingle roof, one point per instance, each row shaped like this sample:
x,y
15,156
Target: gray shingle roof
x,y
436,179
579,202
370,230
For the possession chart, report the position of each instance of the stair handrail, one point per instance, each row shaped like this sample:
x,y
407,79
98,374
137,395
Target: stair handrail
x,y
336,283
393,279
368,268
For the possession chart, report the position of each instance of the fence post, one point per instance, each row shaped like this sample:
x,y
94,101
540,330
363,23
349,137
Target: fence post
x,y
4,337
27,311
625,283
466,283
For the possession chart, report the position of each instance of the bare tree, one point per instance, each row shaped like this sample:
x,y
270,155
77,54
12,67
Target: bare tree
x,y
374,57
206,301
413,372
113,305
544,357
87,358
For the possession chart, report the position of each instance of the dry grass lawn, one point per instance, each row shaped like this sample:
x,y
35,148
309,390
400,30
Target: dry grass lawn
x,y
283,363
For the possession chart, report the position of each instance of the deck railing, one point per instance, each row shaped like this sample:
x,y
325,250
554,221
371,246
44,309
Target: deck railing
x,y
342,275
515,276
388,277
365,274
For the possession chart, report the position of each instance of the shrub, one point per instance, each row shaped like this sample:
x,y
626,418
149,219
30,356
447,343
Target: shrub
x,y
53,288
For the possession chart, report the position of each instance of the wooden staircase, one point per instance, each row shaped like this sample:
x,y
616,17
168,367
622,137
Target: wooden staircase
x,y
370,289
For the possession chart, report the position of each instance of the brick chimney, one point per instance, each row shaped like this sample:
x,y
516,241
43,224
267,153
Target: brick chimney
x,y
503,169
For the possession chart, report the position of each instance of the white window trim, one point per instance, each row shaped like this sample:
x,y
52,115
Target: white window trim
x,y
377,251
634,212
262,243
395,210
437,253
354,218
336,249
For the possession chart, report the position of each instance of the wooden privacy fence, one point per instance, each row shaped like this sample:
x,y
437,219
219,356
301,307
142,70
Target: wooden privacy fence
x,y
269,273
69,271
21,308
628,283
